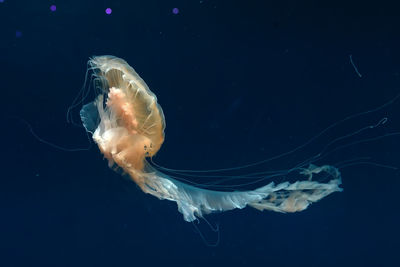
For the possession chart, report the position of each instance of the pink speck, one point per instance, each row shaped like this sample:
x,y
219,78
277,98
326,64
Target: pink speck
x,y
108,11
53,8
175,10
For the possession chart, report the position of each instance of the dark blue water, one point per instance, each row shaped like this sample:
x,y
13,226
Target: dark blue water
x,y
239,81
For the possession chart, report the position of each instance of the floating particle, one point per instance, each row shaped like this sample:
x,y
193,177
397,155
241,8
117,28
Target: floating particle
x,y
18,34
52,8
175,10
108,11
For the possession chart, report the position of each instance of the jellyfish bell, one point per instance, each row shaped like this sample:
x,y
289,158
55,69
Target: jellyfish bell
x,y
125,119
127,124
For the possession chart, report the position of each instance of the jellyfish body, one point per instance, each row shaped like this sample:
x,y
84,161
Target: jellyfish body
x,y
128,126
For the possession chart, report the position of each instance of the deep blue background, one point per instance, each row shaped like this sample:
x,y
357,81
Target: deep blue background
x,y
238,81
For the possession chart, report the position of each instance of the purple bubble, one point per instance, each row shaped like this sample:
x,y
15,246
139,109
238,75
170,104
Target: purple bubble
x,y
175,10
53,8
18,34
108,11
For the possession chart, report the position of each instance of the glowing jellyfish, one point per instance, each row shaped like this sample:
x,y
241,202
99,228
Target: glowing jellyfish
x,y
128,126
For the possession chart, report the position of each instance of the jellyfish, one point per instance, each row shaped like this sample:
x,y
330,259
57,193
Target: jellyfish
x,y
127,123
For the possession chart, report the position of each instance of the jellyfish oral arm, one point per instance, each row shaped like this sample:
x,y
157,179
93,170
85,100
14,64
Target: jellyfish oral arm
x,y
284,197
